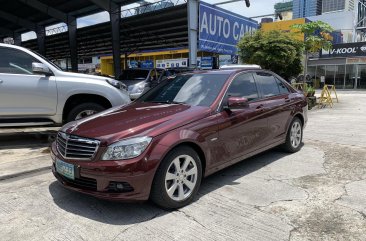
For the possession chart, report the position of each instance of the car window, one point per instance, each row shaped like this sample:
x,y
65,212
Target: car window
x,y
14,61
134,74
244,86
282,87
268,84
195,90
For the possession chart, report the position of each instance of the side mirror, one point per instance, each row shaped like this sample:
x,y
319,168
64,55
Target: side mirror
x,y
39,68
237,102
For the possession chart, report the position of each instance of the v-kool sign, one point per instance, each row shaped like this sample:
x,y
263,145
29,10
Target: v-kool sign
x,y
220,30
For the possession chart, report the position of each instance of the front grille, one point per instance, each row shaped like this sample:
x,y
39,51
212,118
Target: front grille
x,y
75,147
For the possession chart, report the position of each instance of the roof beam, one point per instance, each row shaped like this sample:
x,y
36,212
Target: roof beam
x,y
19,21
50,11
105,5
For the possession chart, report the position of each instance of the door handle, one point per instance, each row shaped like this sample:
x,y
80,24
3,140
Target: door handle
x,y
287,100
1,81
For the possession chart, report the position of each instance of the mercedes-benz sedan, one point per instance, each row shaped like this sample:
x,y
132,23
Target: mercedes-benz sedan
x,y
161,146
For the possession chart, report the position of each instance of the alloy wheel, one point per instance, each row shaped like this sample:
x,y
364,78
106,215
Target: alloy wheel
x,y
181,178
84,114
296,133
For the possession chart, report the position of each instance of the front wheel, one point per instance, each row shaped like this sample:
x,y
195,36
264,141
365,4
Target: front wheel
x,y
294,136
83,110
177,179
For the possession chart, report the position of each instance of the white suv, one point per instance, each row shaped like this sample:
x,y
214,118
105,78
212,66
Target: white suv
x,y
34,91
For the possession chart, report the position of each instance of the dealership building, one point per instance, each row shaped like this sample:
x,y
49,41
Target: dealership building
x,y
219,31
344,66
167,33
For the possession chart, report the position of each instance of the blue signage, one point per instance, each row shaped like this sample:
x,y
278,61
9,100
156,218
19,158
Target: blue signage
x,y
220,30
147,64
207,62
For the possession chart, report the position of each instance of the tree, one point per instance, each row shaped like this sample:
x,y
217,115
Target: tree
x,y
317,37
274,50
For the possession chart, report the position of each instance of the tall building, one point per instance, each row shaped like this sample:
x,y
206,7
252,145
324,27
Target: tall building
x,y
306,8
285,9
337,5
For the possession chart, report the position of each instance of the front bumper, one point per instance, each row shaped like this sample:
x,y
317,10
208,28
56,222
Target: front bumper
x,y
99,178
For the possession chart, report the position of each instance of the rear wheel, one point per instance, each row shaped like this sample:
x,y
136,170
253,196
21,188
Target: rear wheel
x,y
83,110
294,136
177,179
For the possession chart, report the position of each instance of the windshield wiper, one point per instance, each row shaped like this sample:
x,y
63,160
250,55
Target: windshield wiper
x,y
166,102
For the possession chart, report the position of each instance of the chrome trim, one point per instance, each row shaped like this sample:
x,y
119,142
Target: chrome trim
x,y
70,151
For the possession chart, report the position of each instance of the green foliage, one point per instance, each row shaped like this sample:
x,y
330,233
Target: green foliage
x,y
274,50
317,35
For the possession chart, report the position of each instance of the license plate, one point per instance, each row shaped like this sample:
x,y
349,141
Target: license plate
x,y
65,169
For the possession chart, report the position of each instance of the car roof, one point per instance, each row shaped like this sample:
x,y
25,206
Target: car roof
x,y
240,66
224,71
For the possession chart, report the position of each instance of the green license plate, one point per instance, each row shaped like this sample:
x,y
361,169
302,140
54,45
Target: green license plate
x,y
65,169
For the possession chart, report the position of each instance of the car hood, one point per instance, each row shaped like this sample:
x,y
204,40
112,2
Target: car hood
x,y
84,76
131,82
136,119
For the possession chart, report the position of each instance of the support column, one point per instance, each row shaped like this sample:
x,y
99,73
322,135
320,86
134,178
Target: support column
x,y
17,38
115,16
71,26
192,10
41,36
126,63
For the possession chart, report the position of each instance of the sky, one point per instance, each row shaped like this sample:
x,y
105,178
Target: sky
x,y
257,7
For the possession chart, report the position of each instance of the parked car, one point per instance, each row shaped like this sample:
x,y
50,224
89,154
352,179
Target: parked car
x,y
178,70
240,66
186,128
34,91
139,81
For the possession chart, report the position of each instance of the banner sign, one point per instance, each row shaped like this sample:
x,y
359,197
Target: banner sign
x,y
206,62
346,50
171,63
220,30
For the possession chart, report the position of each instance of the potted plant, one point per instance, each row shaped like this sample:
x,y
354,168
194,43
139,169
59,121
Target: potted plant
x,y
310,91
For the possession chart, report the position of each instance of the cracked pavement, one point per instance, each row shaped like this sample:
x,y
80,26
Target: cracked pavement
x,y
315,194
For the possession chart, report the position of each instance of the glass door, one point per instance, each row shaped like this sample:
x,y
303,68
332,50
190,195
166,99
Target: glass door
x,y
351,75
361,79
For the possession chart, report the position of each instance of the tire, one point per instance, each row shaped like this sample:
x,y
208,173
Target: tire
x,y
294,136
78,110
166,178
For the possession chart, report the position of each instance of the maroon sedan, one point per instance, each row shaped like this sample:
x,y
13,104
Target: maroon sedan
x,y
188,127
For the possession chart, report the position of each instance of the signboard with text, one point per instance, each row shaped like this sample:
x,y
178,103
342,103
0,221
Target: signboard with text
x,y
346,50
220,30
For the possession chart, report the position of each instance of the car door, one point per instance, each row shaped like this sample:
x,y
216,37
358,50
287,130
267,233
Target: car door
x,y
242,131
22,92
278,103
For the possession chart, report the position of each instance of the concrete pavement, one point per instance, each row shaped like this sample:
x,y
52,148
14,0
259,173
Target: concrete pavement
x,y
315,194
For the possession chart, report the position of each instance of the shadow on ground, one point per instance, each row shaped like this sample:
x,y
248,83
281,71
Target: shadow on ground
x,y
25,140
129,213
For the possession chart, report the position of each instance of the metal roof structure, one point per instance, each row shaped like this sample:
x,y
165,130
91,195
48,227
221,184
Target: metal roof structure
x,y
147,27
165,28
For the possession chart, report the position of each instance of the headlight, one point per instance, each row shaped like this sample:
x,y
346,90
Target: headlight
x,y
116,84
127,149
138,88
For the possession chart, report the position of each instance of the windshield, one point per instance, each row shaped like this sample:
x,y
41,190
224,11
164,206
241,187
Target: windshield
x,y
134,74
48,61
195,90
